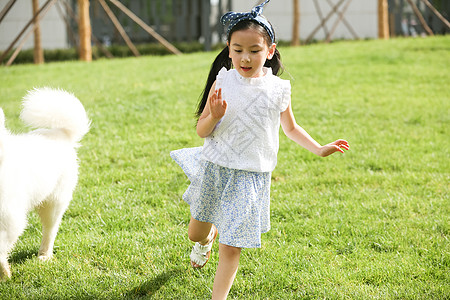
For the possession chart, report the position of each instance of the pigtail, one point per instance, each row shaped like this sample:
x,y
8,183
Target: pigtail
x,y
275,63
222,60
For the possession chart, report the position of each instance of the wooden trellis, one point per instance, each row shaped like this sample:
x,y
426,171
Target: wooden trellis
x,y
323,20
338,8
85,32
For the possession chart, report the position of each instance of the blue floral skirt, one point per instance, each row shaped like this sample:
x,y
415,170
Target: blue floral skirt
x,y
237,202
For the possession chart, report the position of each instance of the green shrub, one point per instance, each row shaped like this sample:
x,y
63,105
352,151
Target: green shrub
x,y
26,56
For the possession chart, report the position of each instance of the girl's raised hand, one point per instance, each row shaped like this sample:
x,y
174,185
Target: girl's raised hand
x,y
339,145
217,106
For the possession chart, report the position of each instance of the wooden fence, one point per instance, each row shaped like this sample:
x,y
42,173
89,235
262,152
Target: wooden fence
x,y
175,20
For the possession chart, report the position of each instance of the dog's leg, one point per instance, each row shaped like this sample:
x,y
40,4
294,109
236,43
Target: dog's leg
x,y
51,213
5,271
11,227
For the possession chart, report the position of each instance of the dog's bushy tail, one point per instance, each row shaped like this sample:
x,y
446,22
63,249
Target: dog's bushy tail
x,y
3,132
3,129
2,121
55,109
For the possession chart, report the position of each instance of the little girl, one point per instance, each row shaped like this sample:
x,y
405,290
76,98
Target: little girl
x,y
239,116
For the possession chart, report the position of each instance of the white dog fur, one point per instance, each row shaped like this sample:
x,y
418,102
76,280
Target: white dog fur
x,y
39,169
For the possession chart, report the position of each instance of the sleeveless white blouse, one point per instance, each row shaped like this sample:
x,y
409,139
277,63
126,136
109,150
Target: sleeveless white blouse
x,y
246,138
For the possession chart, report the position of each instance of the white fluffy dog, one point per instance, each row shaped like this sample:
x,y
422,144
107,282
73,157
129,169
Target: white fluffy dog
x,y
39,169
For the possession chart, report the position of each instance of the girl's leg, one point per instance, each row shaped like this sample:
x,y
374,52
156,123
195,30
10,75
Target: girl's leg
x,y
226,270
200,232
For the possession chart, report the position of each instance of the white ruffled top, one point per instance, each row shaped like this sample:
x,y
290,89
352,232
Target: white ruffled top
x,y
246,137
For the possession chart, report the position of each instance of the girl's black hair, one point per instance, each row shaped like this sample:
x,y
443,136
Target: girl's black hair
x,y
223,60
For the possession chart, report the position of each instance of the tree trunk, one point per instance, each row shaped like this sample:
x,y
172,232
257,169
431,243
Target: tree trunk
x,y
84,30
383,21
38,52
296,24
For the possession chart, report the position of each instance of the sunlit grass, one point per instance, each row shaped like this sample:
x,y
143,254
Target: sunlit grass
x,y
372,223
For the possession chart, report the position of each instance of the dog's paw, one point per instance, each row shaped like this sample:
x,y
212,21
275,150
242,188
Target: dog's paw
x,y
5,272
43,257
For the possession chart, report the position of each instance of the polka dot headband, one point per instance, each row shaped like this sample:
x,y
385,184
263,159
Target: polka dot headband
x,y
234,17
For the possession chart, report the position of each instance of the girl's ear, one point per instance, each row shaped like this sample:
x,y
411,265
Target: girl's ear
x,y
271,51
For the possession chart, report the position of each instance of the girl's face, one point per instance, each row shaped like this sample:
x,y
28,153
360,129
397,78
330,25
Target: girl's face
x,y
249,51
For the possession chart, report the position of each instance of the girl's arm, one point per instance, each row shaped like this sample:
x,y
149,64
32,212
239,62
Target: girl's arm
x,y
212,113
301,137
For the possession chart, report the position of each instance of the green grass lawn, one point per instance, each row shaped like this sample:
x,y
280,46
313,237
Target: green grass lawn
x,y
370,224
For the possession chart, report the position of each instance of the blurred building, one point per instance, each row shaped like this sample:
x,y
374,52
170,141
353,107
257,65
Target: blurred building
x,y
54,31
361,15
198,20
